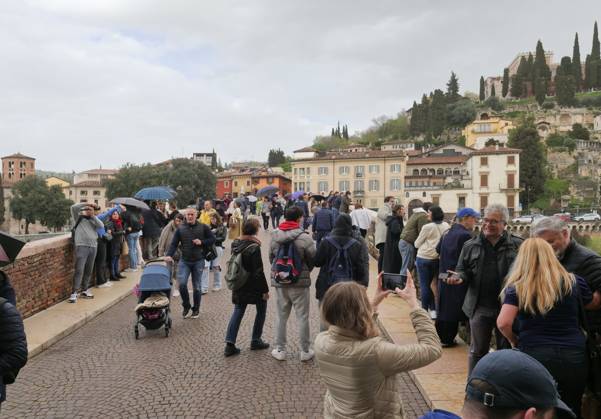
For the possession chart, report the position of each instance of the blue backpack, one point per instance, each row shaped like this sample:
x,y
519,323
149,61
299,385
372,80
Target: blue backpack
x,y
340,267
287,265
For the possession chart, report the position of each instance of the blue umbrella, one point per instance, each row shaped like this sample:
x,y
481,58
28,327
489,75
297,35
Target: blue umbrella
x,y
267,190
297,194
155,193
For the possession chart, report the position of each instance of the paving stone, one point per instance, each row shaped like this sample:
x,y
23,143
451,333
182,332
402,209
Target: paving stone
x,y
102,371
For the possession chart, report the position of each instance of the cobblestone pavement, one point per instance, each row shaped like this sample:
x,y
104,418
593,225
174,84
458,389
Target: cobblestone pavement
x,y
102,371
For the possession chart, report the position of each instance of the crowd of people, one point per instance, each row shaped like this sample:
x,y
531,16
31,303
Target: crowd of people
x,y
538,296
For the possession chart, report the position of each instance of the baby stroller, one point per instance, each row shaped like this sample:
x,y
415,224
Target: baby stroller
x,y
153,310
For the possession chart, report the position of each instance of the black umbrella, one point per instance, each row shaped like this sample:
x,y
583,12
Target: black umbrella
x,y
130,202
318,197
9,248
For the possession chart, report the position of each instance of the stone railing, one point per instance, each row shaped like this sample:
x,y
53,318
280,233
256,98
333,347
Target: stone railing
x,y
42,275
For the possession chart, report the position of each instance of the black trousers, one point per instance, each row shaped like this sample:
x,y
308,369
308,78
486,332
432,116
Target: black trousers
x,y
380,247
265,221
100,262
447,331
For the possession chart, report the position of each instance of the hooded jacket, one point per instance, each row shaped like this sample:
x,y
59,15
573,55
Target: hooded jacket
x,y
13,342
166,239
305,247
256,285
342,233
383,213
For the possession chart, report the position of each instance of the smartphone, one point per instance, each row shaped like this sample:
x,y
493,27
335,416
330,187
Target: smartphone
x,y
393,281
452,272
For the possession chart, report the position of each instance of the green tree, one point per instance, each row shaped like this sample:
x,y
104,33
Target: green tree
x,y
540,90
532,161
275,157
325,143
596,50
529,76
461,113
482,95
131,178
453,88
579,132
55,212
415,123
555,188
190,179
541,69
333,132
565,86
29,197
438,113
576,64
517,85
494,103
505,82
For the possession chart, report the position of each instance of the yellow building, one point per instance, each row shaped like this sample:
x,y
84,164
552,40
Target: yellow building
x,y
241,183
485,128
370,175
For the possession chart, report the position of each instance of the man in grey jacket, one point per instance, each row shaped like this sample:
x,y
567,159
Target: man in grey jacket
x,y
296,294
380,236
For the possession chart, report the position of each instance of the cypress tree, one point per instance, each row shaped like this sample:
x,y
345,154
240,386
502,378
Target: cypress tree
x,y
438,115
576,64
338,131
540,90
587,72
482,96
425,114
525,77
492,91
414,124
453,88
516,89
333,134
596,50
565,86
530,68
505,82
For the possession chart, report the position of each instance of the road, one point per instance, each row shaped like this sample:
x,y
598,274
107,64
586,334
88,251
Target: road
x,y
102,371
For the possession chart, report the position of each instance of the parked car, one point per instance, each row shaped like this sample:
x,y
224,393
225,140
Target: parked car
x,y
564,216
591,216
526,219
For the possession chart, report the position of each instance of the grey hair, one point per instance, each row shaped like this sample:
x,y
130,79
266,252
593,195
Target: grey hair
x,y
499,209
545,224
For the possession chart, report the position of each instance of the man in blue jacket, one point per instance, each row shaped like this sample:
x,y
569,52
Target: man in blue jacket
x,y
195,239
323,222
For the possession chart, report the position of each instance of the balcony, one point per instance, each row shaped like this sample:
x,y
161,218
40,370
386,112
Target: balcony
x,y
509,188
359,194
359,174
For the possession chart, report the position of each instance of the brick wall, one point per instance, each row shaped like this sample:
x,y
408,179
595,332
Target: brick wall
x,y
42,275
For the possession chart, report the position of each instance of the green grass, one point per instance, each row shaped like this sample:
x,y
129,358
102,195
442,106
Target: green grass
x,y
588,94
595,244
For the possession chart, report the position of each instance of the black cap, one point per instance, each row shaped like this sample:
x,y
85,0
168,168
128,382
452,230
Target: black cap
x,y
520,382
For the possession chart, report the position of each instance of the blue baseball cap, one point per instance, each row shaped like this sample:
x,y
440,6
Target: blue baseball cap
x,y
467,212
519,382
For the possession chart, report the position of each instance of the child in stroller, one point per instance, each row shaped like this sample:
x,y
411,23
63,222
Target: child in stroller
x,y
153,310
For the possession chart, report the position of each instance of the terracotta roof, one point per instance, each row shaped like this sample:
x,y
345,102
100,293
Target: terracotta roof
x,y
87,184
495,150
101,171
305,150
360,155
18,156
262,175
414,161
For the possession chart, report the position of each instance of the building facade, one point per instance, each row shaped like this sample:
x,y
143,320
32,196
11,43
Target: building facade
x,y
369,175
456,177
486,128
89,186
15,167
209,159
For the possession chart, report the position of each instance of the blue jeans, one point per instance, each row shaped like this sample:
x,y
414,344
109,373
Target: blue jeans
x,y
427,270
407,252
236,319
132,243
115,265
215,267
184,269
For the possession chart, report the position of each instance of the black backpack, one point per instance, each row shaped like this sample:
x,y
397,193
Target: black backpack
x,y
340,267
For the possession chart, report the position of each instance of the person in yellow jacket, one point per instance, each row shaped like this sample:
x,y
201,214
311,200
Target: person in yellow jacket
x,y
206,213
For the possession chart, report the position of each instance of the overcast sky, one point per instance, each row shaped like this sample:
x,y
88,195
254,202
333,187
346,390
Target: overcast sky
x,y
96,83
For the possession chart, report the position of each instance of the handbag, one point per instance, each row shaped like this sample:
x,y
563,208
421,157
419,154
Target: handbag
x,y
593,352
211,254
124,248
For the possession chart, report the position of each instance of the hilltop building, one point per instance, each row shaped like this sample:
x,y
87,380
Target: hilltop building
x,y
487,127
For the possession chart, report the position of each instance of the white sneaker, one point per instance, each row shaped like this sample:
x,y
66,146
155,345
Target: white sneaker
x,y
216,289
432,314
176,293
279,355
107,284
73,298
307,356
130,270
87,294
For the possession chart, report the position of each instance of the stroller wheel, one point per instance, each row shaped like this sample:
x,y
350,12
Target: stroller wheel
x,y
166,331
136,332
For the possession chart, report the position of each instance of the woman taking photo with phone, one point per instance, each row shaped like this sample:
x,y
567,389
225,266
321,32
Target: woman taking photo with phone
x,y
357,365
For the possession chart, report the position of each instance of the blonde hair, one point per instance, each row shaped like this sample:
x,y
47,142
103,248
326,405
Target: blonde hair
x,y
538,277
346,305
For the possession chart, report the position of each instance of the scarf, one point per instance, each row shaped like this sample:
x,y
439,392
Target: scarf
x,y
289,225
117,223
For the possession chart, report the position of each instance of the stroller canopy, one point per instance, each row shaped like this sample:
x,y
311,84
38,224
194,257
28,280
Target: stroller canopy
x,y
155,278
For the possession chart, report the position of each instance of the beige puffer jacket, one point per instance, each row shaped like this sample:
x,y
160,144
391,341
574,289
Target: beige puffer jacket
x,y
361,375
